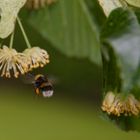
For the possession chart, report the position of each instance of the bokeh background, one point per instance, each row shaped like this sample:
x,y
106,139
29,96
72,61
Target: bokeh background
x,y
73,113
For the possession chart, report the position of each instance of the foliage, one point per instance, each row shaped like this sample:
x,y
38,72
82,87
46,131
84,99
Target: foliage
x,y
8,13
120,36
135,3
69,26
122,32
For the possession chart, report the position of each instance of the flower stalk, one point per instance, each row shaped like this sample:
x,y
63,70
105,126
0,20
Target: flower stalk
x,y
24,34
11,40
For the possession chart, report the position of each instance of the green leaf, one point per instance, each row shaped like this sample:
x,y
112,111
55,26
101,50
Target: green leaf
x,y
8,13
136,88
69,26
93,6
122,33
135,3
111,71
137,12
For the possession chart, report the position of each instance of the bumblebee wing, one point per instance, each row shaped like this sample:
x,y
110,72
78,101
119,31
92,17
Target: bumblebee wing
x,y
52,79
28,78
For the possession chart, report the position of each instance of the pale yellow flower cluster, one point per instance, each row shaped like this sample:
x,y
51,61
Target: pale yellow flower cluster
x,y
36,4
118,104
13,63
37,57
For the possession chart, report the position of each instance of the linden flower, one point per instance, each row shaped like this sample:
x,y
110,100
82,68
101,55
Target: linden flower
x,y
108,100
36,57
36,4
119,105
132,105
12,62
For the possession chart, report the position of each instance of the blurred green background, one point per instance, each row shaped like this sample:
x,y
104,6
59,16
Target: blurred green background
x,y
73,113
25,116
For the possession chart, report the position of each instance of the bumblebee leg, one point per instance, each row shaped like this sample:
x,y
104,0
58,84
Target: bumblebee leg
x,y
37,91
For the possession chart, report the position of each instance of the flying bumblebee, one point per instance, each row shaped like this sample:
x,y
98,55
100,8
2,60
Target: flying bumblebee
x,y
41,84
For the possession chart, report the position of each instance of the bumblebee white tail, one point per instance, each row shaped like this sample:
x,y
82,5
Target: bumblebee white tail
x,y
48,93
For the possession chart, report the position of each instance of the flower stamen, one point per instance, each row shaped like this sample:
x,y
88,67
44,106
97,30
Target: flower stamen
x,y
118,105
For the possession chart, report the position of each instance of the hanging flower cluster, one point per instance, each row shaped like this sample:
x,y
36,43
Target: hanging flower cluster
x,y
118,104
36,4
37,57
13,63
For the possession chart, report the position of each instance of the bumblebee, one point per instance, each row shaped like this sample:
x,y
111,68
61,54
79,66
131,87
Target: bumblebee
x,y
41,84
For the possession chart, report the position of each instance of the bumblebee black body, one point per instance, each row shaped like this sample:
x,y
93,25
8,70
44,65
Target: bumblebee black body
x,y
43,86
